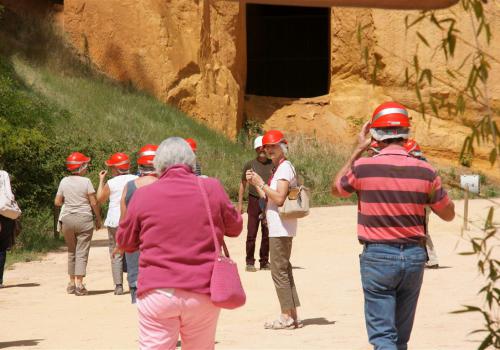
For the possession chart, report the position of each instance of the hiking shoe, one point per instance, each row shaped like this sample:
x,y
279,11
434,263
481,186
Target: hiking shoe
x,y
118,289
71,288
265,266
81,290
250,268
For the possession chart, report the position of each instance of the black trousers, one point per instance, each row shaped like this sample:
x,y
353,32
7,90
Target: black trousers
x,y
254,210
6,241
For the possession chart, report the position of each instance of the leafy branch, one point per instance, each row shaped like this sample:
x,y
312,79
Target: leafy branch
x,y
467,81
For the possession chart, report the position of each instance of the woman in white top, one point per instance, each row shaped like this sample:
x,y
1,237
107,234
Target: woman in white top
x,y
281,231
7,225
119,164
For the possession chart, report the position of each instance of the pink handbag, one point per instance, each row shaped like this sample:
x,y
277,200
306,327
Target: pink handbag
x,y
226,290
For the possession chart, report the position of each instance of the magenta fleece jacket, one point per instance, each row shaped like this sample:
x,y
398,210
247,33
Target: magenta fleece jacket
x,y
168,222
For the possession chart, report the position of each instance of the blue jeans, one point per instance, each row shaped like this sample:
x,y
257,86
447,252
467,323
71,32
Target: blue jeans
x,y
391,275
132,272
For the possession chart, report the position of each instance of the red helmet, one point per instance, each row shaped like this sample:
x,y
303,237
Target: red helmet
x,y
75,161
375,146
192,143
412,147
146,155
390,115
273,137
119,161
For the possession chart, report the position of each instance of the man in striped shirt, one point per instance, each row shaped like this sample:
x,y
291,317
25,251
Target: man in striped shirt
x,y
393,190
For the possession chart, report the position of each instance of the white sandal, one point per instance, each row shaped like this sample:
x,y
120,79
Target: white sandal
x,y
280,323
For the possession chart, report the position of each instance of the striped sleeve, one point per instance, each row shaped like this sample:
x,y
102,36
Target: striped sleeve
x,y
438,197
346,185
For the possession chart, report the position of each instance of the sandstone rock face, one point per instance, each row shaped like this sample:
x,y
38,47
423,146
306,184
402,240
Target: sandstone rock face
x,y
193,54
184,52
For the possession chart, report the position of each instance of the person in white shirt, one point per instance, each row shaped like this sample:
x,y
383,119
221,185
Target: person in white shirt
x,y
7,224
281,230
119,163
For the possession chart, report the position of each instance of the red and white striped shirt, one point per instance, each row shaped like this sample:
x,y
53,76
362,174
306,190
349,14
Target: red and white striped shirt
x,y
393,190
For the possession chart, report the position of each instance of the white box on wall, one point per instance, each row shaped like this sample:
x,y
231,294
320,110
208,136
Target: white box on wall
x,y
470,181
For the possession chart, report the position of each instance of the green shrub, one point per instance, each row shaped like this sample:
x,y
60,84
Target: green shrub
x,y
31,153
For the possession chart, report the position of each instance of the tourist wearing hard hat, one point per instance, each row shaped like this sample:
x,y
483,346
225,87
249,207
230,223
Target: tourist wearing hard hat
x,y
393,191
256,208
147,176
77,194
119,164
281,230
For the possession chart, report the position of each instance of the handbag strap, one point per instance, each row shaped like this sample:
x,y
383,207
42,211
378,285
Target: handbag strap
x,y
210,219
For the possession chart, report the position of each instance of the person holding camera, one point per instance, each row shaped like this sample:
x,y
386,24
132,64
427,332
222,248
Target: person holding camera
x,y
256,208
281,230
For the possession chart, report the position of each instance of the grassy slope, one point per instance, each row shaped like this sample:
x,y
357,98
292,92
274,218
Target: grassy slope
x,y
106,118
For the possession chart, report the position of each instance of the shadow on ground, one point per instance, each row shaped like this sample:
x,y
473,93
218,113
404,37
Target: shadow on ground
x,y
100,243
22,285
318,321
27,342
438,268
99,292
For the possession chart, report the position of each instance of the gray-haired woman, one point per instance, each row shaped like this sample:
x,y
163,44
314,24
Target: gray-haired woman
x,y
281,231
168,221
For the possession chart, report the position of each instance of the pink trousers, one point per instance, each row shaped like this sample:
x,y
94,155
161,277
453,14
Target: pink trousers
x,y
163,315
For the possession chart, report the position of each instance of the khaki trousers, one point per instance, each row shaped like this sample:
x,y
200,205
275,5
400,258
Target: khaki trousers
x,y
77,230
281,272
117,260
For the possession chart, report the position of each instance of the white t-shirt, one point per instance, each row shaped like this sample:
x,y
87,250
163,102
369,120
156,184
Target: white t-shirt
x,y
116,186
279,227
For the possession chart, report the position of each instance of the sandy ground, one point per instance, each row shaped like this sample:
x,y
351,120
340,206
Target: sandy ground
x,y
37,313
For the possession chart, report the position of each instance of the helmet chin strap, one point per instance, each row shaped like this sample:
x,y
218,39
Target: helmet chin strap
x,y
146,170
81,169
123,171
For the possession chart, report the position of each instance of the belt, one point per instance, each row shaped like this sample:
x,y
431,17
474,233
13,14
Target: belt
x,y
419,242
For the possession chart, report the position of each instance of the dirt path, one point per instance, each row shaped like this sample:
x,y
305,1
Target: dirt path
x,y
37,314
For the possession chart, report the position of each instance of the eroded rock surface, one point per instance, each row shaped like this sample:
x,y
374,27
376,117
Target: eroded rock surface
x,y
192,54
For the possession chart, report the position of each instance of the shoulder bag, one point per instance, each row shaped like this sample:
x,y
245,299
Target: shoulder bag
x,y
297,202
8,204
226,290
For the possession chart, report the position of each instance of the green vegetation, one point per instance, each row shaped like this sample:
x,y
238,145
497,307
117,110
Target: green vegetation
x,y
102,117
46,115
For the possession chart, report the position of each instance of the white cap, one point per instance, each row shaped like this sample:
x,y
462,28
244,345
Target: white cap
x,y
381,134
258,142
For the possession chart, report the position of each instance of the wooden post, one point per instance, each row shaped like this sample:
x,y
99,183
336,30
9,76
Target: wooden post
x,y
466,208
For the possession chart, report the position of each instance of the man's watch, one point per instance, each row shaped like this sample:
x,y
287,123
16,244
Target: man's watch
x,y
262,186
